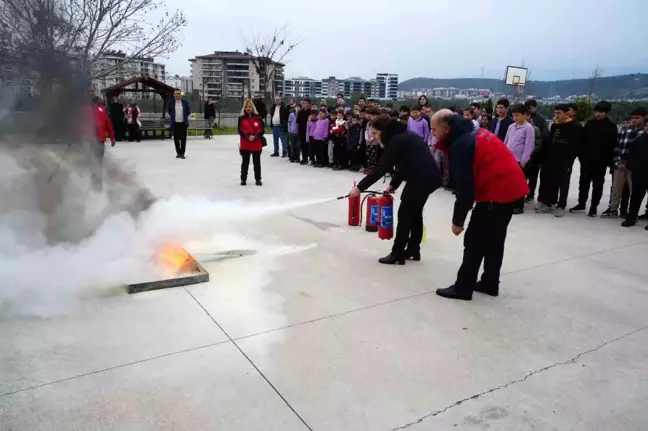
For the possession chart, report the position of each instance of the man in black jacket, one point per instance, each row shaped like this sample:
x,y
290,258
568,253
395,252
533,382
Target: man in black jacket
x,y
116,111
279,121
210,116
595,155
500,124
638,166
535,164
302,123
408,158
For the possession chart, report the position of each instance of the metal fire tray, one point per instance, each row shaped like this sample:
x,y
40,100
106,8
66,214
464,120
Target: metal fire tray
x,y
192,273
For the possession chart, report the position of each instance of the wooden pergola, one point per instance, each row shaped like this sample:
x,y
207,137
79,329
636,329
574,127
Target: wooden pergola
x,y
142,84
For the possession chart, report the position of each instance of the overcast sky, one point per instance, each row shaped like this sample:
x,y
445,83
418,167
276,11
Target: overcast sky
x,y
435,38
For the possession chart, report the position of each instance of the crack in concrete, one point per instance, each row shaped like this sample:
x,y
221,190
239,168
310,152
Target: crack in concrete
x,y
520,380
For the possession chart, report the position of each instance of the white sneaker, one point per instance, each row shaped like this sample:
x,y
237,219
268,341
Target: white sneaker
x,y
542,208
559,212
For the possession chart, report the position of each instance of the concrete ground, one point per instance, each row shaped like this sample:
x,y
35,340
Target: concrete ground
x,y
311,333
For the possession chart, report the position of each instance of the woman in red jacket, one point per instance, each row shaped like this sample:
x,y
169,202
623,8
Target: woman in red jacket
x,y
250,129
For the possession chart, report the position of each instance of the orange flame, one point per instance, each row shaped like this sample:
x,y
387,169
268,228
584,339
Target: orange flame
x,y
173,259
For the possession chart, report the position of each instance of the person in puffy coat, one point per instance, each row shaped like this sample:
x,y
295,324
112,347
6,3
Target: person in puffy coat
x,y
250,129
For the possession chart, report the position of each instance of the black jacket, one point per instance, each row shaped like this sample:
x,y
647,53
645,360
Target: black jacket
x,y
638,158
599,140
565,141
354,137
284,113
505,123
260,106
302,123
116,110
413,161
210,110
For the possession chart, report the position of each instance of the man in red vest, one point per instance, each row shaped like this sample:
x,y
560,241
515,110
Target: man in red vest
x,y
486,173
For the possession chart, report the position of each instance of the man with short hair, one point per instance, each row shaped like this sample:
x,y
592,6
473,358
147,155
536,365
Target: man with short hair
x,y
500,124
210,116
535,164
279,121
487,173
302,123
596,154
179,112
622,175
520,140
117,117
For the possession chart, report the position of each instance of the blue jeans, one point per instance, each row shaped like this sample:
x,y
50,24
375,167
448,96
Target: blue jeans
x,y
279,132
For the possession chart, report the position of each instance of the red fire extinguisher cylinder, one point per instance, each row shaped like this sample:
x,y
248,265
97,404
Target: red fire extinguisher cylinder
x,y
386,218
354,210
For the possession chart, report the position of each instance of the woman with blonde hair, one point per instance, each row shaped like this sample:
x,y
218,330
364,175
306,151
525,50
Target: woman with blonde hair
x,y
250,129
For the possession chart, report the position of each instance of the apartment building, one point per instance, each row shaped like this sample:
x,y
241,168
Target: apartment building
x,y
232,74
386,86
121,70
303,87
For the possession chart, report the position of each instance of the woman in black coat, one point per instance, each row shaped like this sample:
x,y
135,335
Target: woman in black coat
x,y
409,159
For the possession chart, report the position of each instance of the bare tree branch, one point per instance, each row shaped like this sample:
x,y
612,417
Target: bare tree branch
x,y
267,54
597,73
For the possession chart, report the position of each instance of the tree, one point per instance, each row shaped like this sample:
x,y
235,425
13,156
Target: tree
x,y
49,33
592,82
267,55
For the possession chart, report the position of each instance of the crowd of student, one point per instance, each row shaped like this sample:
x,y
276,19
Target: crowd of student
x,y
340,138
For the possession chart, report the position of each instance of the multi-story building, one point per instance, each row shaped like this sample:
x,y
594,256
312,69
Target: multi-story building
x,y
232,74
303,87
331,86
386,86
355,85
184,83
120,69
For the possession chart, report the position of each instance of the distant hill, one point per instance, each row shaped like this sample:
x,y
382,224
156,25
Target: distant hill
x,y
608,87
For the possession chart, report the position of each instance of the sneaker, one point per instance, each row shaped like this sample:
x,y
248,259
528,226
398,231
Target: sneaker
x,y
517,211
543,209
274,155
628,222
244,183
609,213
529,198
592,212
283,156
259,183
578,209
559,212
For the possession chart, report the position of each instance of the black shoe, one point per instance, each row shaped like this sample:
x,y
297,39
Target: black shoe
x,y
517,211
529,198
390,259
628,222
274,155
608,213
413,255
592,212
643,216
283,156
452,293
303,162
259,183
623,213
183,157
488,290
243,183
646,228
578,209
177,156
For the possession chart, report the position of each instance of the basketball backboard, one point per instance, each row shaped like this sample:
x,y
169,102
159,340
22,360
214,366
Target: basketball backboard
x,y
516,76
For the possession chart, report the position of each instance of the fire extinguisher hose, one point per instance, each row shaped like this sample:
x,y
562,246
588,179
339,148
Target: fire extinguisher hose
x,y
366,191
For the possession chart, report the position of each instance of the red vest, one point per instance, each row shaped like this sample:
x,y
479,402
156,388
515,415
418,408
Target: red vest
x,y
251,125
498,177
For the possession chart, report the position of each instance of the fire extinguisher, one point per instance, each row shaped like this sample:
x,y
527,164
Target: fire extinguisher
x,y
355,210
386,216
373,213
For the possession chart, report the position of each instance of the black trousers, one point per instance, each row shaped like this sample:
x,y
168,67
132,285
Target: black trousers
x,y
532,172
409,228
591,173
519,204
554,183
320,152
484,241
304,148
338,150
180,138
639,188
245,164
293,147
134,132
120,129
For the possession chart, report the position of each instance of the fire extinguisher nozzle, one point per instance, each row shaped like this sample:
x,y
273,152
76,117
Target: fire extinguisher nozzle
x,y
342,197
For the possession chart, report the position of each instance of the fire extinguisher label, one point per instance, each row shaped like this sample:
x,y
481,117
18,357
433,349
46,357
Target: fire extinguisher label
x,y
386,215
373,218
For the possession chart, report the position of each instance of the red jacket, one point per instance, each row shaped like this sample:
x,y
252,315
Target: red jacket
x,y
100,122
483,167
250,125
